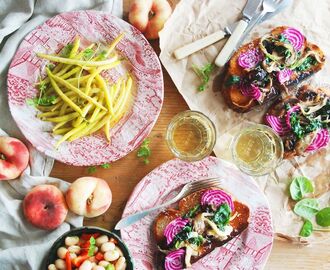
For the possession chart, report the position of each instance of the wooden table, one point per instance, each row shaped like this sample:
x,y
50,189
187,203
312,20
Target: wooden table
x,y
124,174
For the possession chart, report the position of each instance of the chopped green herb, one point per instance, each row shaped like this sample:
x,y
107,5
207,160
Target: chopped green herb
x,y
282,38
144,151
66,50
43,101
192,212
101,56
88,54
222,215
204,74
42,87
196,240
91,169
183,235
91,248
306,229
51,66
105,166
232,80
308,62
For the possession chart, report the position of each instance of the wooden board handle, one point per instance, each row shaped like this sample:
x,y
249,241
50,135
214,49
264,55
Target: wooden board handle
x,y
231,44
198,44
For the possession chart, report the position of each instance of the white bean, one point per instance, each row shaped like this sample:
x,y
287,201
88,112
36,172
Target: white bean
x,y
103,263
61,252
121,264
111,255
119,251
73,255
96,249
74,249
60,264
52,267
94,264
71,240
86,265
101,239
107,246
98,267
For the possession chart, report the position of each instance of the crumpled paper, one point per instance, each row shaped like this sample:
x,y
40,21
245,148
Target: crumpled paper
x,y
194,19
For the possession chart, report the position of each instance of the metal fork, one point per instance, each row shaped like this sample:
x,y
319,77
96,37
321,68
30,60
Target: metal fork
x,y
186,190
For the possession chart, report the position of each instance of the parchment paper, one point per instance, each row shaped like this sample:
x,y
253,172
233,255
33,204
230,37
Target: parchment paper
x,y
193,19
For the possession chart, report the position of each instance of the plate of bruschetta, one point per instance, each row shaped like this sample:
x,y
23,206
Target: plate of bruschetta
x,y
222,227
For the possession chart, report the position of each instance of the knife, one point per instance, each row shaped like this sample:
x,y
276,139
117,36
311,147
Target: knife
x,y
249,10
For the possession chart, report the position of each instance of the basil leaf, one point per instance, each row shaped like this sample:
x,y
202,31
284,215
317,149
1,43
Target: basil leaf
x,y
307,208
323,217
299,187
306,229
222,215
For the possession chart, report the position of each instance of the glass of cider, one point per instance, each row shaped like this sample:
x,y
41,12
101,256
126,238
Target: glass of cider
x,y
257,150
191,135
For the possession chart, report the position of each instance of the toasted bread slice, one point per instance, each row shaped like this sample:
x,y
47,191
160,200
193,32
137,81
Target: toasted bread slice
x,y
232,91
239,222
305,96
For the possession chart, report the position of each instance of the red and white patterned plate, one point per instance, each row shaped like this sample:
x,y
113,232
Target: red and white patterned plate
x,y
248,251
91,26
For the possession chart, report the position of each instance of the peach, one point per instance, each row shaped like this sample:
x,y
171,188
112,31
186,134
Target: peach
x,y
89,196
44,207
149,16
14,158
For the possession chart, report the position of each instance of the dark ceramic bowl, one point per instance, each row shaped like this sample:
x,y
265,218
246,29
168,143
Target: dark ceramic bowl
x,y
52,255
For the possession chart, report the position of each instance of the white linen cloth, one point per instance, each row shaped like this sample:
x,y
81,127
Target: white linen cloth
x,y
23,246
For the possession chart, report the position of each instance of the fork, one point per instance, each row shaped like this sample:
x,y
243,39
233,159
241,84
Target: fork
x,y
268,6
186,190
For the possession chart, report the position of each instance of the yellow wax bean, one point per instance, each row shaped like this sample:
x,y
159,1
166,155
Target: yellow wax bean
x,y
99,125
61,131
114,44
80,119
97,110
60,124
76,90
47,114
70,133
75,47
119,110
62,95
107,128
69,61
63,118
86,130
105,89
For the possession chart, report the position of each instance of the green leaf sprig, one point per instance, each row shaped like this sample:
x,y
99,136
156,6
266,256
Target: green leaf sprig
x,y
92,245
144,151
92,169
204,74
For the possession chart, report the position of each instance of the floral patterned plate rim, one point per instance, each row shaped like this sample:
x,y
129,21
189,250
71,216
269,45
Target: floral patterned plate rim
x,y
91,26
248,251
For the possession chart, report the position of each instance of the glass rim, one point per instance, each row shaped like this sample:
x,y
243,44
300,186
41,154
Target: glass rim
x,y
170,127
245,129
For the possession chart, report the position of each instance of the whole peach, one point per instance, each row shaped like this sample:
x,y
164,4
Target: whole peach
x,y
14,158
44,207
149,16
89,196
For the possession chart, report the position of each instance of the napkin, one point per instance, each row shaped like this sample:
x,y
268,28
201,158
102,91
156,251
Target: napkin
x,y
23,246
194,19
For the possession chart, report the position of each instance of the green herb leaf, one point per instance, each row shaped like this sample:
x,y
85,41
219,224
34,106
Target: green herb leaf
x,y
42,87
323,217
88,53
66,50
306,229
43,101
299,187
101,56
222,215
51,66
192,212
232,80
110,267
144,151
282,38
306,64
204,74
183,235
196,240
91,248
91,169
307,208
105,166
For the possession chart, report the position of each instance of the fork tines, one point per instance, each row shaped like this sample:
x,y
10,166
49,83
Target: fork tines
x,y
205,183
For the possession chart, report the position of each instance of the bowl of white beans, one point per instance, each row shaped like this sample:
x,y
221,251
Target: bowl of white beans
x,y
89,248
